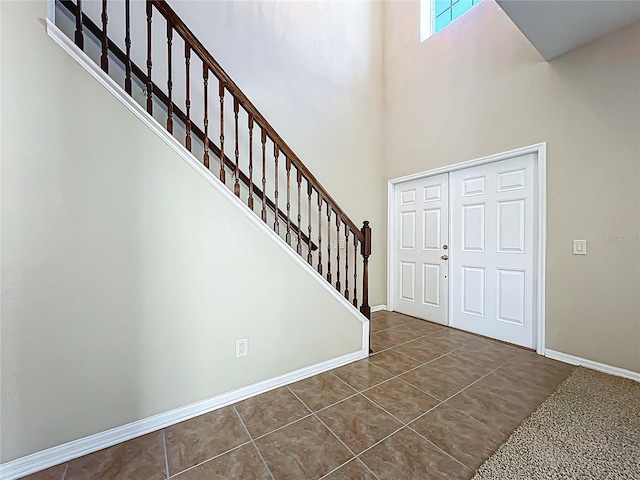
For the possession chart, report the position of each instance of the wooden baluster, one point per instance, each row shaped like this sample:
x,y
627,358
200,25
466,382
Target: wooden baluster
x,y
149,63
309,192
104,58
299,245
365,309
276,223
127,44
337,252
236,186
346,262
355,270
187,103
250,201
205,82
264,175
287,237
221,93
319,233
169,82
79,36
328,243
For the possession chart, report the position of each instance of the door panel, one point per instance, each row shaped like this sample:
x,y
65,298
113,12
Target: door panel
x,y
473,228
431,235
511,296
408,281
431,284
421,213
511,226
473,295
492,228
408,230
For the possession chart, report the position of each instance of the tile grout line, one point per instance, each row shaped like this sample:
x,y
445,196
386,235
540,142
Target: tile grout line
x,y
210,459
362,392
459,392
326,426
406,424
283,426
166,456
331,372
425,413
397,377
437,332
354,456
398,326
379,442
396,431
418,360
438,448
518,402
402,423
398,345
253,443
367,467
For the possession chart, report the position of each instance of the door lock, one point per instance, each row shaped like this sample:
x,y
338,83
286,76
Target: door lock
x,y
444,247
445,257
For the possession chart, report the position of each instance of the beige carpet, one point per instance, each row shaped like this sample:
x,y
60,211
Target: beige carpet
x,y
589,428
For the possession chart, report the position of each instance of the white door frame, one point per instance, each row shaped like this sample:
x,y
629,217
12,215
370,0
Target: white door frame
x,y
540,163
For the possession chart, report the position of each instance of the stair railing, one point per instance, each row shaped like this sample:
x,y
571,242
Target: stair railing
x,y
321,213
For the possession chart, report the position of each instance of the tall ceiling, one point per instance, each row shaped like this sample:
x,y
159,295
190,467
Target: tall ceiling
x,y
555,27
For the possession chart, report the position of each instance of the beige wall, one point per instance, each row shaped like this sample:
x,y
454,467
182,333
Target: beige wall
x,y
126,277
479,88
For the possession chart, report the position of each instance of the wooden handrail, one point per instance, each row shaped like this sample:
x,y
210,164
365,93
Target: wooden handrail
x,y
195,44
340,222
162,97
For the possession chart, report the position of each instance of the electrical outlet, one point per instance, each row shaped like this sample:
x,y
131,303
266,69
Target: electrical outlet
x,y
242,347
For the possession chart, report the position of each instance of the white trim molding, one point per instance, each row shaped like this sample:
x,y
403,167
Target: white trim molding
x,y
540,162
83,446
378,308
600,367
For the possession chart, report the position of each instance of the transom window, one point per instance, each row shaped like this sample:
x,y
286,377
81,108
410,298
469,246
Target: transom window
x,y
446,11
437,14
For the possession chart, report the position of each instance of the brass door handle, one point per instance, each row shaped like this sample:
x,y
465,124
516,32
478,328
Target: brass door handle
x,y
445,257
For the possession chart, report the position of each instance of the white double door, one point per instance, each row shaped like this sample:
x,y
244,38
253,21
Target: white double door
x,y
464,249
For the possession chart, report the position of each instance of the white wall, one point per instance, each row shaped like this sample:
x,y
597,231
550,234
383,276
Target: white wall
x,y
126,277
479,88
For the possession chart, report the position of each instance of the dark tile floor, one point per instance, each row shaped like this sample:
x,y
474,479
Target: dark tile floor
x,y
431,403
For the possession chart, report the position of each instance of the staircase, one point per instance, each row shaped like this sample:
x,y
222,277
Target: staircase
x,y
175,78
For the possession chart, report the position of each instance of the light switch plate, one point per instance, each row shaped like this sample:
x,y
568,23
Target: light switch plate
x,y
579,247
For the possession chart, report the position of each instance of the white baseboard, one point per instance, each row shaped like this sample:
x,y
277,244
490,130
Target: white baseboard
x,y
600,367
378,308
83,446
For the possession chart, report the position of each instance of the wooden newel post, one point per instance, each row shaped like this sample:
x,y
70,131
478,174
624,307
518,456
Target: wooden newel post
x,y
365,309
